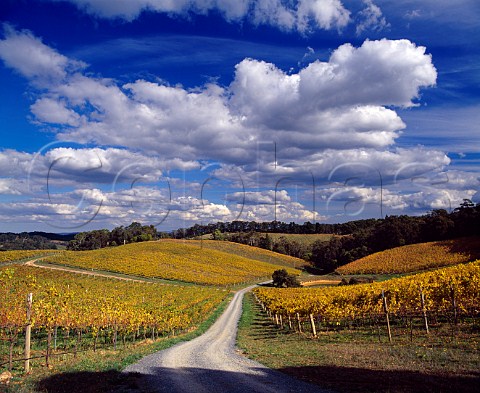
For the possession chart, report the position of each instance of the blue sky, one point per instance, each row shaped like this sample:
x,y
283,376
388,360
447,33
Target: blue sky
x,y
193,111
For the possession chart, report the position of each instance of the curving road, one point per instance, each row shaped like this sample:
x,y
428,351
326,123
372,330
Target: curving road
x,y
211,364
93,273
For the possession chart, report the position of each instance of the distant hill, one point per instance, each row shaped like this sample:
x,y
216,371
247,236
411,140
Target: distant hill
x,y
172,260
416,257
64,237
33,240
255,253
306,239
19,255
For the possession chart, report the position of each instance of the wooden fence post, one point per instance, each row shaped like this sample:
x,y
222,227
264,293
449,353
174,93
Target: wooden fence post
x,y
424,310
454,304
385,309
299,323
55,338
314,329
28,332
49,344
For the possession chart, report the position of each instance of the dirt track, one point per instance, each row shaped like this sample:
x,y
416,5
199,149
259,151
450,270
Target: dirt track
x,y
78,271
211,364
208,364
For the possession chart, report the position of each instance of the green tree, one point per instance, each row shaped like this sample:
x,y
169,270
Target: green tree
x,y
282,279
218,235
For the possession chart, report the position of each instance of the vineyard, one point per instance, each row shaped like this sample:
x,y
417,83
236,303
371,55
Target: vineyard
x,y
255,253
171,260
17,255
416,257
452,292
67,308
306,239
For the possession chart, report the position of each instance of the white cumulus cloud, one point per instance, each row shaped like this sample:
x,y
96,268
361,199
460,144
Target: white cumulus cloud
x,y
302,15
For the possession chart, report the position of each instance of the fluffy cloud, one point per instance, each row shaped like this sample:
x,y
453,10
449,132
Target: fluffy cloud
x,y
79,208
9,186
302,15
48,110
33,59
338,104
74,167
269,197
371,18
333,123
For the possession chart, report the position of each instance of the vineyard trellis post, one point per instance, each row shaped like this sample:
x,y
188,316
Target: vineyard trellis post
x,y
385,309
454,304
28,332
49,344
314,329
55,331
424,310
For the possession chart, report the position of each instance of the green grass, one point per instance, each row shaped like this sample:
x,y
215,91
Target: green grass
x,y
355,360
304,239
99,371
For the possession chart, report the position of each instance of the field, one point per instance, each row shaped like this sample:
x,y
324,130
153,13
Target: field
x,y
74,301
255,253
350,351
357,360
304,239
17,255
416,257
97,309
171,260
458,284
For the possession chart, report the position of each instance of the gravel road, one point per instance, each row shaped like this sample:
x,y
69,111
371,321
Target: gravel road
x,y
211,364
32,263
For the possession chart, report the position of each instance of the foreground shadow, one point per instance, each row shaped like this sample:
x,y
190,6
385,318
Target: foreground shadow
x,y
339,379
91,382
168,380
350,379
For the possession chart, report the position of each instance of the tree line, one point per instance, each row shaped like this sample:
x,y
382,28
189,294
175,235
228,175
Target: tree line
x,y
32,241
395,231
272,227
100,238
354,240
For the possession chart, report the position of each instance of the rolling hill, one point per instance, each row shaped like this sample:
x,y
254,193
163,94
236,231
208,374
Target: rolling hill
x,y
416,257
18,255
255,253
173,260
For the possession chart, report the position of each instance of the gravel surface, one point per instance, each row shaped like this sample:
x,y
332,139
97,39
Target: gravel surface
x,y
211,363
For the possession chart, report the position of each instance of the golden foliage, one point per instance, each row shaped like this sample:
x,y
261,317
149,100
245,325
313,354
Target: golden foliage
x,y
73,301
255,253
171,260
345,302
416,257
17,255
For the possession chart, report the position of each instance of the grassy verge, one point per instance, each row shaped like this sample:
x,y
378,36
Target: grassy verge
x,y
355,361
100,371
